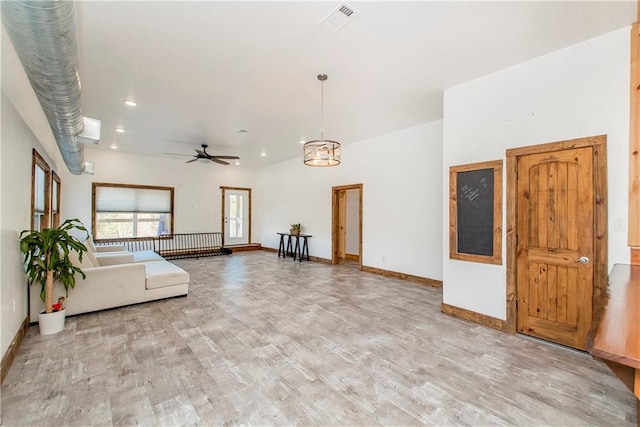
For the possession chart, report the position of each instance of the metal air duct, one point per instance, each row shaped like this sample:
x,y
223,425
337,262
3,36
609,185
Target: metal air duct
x,y
44,36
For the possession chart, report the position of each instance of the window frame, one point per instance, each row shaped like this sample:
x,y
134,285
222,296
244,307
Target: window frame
x,y
94,214
39,162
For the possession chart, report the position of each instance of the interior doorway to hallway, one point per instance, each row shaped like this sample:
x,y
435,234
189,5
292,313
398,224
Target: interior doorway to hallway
x,y
346,224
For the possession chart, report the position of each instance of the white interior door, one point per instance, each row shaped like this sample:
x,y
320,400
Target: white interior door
x,y
236,216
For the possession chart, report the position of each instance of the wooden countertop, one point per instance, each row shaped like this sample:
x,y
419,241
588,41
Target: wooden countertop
x,y
617,336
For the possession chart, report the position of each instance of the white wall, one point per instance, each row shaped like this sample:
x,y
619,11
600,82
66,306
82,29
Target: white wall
x,y
24,127
352,226
17,143
402,177
575,92
198,198
3,347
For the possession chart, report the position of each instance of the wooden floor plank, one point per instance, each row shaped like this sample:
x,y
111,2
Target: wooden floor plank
x,y
265,341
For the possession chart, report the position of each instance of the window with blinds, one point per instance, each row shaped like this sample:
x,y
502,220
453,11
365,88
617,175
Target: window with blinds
x,y
55,199
127,211
40,191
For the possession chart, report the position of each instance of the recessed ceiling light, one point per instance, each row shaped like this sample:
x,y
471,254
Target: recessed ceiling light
x,y
263,154
130,103
302,141
119,130
237,163
114,147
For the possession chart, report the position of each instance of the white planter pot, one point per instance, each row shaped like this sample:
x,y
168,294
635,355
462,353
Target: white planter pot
x,y
51,323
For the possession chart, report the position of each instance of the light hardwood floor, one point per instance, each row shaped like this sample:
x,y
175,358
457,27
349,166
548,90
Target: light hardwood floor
x,y
266,341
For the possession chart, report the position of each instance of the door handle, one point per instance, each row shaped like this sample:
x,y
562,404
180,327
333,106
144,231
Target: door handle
x,y
583,260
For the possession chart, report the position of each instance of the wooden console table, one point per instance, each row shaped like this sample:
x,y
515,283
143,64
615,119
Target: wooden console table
x,y
617,324
293,248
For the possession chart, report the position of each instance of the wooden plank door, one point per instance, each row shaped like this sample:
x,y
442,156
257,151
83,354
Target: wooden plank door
x,y
555,245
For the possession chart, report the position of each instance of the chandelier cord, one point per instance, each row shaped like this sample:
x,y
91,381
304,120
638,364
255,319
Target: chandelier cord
x,y
322,110
321,152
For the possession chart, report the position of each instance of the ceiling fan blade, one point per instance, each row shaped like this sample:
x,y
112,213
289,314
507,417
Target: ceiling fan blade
x,y
176,154
222,162
202,153
227,157
192,160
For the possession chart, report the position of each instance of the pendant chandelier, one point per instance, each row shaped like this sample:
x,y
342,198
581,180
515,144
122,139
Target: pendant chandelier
x,y
322,152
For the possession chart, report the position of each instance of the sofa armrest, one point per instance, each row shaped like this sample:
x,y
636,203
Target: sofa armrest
x,y
114,258
110,248
107,287
104,287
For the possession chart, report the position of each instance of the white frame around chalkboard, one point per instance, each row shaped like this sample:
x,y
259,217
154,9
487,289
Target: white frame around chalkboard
x,y
496,258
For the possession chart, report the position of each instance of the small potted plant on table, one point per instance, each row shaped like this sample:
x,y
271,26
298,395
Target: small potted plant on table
x,y
46,258
295,229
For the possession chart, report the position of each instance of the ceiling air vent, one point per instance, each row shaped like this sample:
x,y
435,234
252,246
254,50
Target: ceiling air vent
x,y
338,18
344,8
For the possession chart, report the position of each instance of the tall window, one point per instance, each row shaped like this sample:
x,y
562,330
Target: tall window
x,y
55,199
40,193
122,210
235,216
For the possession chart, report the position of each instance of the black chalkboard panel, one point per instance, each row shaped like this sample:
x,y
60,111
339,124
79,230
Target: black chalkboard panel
x,y
475,202
475,212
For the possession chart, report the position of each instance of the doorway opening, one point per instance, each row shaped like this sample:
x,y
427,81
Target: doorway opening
x,y
236,216
346,224
557,238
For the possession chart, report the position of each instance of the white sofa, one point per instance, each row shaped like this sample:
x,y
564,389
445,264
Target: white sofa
x,y
116,254
124,257
109,286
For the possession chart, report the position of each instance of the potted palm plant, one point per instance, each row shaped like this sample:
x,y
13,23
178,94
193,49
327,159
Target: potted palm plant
x,y
46,259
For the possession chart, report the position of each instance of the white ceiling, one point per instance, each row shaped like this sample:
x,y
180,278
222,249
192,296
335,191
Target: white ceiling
x,y
202,71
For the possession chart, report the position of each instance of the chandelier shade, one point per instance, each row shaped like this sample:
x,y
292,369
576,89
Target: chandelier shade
x,y
321,152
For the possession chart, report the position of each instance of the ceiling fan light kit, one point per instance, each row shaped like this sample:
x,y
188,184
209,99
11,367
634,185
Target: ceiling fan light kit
x,y
322,152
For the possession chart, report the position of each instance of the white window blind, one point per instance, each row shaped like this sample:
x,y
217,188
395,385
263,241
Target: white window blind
x,y
118,199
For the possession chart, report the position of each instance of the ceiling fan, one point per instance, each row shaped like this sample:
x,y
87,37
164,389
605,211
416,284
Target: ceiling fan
x,y
202,154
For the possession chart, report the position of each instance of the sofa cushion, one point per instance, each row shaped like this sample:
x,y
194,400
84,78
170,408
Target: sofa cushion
x,y
163,273
87,262
90,245
144,256
91,257
114,258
